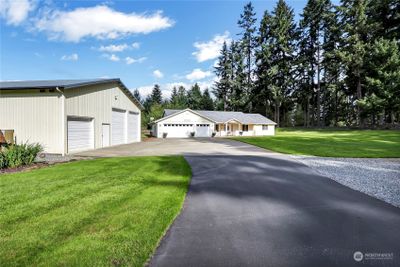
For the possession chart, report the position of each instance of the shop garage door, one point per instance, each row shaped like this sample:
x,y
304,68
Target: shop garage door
x,y
118,127
133,127
177,130
203,130
80,134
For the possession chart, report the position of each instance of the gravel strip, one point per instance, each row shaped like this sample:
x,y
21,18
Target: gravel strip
x,y
379,178
56,158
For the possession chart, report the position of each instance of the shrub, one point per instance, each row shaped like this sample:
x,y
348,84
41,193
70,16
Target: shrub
x,y
18,155
3,161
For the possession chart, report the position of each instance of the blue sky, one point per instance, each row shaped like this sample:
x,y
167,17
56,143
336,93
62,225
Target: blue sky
x,y
141,42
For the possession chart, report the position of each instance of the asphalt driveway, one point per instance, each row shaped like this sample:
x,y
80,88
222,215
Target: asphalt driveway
x,y
250,207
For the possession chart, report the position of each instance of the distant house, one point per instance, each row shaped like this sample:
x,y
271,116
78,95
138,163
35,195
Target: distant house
x,y
205,123
67,116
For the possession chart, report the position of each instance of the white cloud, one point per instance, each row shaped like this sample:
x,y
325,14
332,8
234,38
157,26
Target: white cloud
x,y
135,45
111,57
100,22
198,74
130,60
211,49
72,57
118,48
158,74
113,48
15,11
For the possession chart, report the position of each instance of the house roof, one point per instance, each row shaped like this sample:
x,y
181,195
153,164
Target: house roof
x,y
224,116
63,85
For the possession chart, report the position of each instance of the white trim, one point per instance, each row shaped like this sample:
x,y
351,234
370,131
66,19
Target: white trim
x,y
181,111
64,121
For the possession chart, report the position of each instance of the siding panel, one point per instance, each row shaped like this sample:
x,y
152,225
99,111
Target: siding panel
x,y
35,118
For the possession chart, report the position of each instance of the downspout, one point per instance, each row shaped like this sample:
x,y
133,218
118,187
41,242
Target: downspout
x,y
63,128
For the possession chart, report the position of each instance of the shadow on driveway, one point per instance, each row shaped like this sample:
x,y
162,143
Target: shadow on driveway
x,y
269,210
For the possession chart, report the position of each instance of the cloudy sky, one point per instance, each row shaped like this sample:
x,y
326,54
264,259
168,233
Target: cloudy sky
x,y
140,42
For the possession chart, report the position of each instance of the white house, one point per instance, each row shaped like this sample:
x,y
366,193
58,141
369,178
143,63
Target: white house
x,y
67,116
205,123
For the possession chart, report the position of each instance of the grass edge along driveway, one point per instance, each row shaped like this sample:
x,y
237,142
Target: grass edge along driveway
x,y
102,212
331,143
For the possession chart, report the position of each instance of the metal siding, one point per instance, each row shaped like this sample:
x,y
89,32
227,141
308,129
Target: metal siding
x,y
35,117
97,101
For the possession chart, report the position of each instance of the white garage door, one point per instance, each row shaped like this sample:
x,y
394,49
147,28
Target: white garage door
x,y
80,134
177,130
133,127
118,127
203,130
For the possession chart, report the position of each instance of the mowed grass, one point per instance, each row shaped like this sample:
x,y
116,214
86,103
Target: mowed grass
x,y
331,143
103,212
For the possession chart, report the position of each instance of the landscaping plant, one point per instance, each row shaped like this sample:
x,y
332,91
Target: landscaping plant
x,y
18,155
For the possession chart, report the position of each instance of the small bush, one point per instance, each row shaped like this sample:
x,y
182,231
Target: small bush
x,y
3,160
18,155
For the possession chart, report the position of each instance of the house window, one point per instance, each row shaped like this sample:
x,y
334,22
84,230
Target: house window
x,y
265,127
245,127
217,127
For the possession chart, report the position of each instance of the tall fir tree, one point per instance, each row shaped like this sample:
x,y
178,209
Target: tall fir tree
x,y
354,47
382,96
137,95
238,77
207,102
263,63
173,102
182,101
194,97
283,36
156,95
248,43
223,70
312,26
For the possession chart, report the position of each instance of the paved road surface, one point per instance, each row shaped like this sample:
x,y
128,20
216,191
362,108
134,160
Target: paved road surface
x,y
265,209
250,207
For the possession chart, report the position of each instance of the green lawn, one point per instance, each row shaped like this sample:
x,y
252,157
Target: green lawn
x,y
331,143
102,212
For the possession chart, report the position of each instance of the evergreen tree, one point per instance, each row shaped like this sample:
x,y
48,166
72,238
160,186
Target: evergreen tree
x,y
206,101
384,19
263,63
137,95
238,96
312,26
382,94
333,69
156,95
194,97
174,98
282,45
353,48
248,43
182,101
223,70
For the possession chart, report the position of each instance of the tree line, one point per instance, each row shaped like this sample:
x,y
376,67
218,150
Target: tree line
x,y
338,66
154,104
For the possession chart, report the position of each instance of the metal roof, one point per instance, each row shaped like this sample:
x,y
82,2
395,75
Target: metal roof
x,y
64,84
224,116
